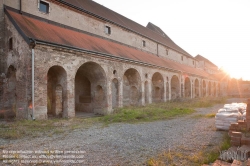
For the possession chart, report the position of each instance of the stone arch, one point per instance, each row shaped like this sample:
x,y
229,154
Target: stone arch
x,y
187,89
56,91
175,87
90,89
196,88
131,87
146,92
204,87
157,87
9,94
115,93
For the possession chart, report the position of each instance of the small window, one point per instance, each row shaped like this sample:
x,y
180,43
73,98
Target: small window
x,y
193,62
107,30
44,7
11,43
143,43
166,51
182,58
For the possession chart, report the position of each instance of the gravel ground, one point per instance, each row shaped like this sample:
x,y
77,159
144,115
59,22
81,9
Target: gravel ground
x,y
129,144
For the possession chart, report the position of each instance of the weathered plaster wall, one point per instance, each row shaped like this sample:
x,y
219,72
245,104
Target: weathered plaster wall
x,y
17,80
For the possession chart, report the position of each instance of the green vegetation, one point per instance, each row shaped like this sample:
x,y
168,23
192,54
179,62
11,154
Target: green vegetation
x,y
183,156
160,111
152,112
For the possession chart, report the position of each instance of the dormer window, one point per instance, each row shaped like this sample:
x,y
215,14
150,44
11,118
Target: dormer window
x,y
143,43
44,6
107,30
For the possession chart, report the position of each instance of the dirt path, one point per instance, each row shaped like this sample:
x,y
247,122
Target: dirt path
x,y
129,144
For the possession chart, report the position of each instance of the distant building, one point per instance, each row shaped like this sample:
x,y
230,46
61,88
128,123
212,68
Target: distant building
x,y
88,58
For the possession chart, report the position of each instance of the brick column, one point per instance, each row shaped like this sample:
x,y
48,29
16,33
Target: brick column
x,y
248,114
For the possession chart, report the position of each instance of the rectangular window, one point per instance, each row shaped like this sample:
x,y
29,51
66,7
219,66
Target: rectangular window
x,y
193,62
143,43
166,51
182,58
107,30
44,7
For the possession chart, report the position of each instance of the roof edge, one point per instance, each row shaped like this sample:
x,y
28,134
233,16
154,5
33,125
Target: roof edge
x,y
112,22
16,26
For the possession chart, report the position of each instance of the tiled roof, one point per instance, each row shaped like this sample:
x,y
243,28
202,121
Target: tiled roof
x,y
43,31
108,14
201,58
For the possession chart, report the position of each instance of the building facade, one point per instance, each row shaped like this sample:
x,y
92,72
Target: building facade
x,y
61,58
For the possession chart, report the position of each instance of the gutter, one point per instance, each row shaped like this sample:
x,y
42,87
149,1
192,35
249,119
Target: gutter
x,y
20,11
33,45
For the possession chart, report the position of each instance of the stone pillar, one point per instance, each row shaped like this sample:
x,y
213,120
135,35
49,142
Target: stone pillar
x,y
170,92
2,38
120,93
70,97
192,91
143,93
150,91
164,94
109,97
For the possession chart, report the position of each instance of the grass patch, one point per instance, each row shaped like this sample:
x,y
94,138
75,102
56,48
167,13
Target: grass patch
x,y
160,111
185,157
19,129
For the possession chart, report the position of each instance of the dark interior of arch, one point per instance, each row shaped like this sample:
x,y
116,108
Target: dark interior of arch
x,y
187,88
90,89
131,88
175,87
157,88
56,91
8,109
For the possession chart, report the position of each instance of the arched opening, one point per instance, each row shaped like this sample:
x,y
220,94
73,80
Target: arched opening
x,y
209,88
9,94
157,88
131,87
175,87
146,92
187,89
115,93
90,89
56,91
196,88
204,87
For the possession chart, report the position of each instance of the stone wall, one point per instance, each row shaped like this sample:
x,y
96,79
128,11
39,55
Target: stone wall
x,y
16,94
97,84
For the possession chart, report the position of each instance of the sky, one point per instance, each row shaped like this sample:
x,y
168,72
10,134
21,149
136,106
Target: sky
x,y
219,30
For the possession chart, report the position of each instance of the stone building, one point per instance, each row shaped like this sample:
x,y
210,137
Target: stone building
x,y
64,57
